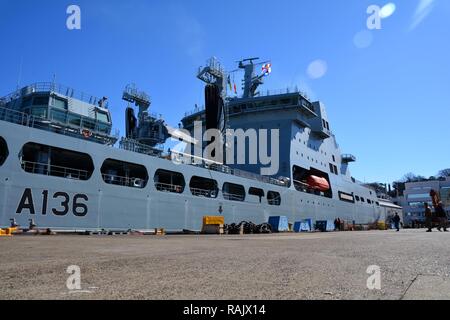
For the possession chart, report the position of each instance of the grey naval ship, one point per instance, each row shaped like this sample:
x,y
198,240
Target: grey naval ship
x,y
62,167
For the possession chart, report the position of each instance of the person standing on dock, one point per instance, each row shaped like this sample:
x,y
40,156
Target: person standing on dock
x,y
396,221
428,217
442,217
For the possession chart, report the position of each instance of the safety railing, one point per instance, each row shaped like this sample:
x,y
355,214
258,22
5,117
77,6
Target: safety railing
x,y
233,197
134,146
186,158
57,88
204,193
124,181
52,170
169,187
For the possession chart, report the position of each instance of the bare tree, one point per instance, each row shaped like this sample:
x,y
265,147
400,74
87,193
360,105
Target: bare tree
x,y
380,188
412,177
444,173
399,189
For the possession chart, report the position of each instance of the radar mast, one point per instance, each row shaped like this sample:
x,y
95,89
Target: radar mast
x,y
251,80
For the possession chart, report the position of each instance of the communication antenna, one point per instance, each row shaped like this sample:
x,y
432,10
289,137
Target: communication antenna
x,y
19,77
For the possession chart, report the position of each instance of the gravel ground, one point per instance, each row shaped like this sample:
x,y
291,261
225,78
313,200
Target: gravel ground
x,y
413,264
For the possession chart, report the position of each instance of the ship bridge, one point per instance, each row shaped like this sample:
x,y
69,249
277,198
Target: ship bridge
x,y
60,109
270,101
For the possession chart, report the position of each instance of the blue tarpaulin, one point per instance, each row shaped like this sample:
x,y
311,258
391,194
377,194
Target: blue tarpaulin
x,y
279,223
304,225
325,225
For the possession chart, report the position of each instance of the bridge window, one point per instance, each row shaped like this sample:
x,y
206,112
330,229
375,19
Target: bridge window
x,y
40,101
124,174
169,181
51,161
26,102
3,151
233,192
274,198
39,112
203,187
60,103
256,192
59,115
88,124
74,120
102,116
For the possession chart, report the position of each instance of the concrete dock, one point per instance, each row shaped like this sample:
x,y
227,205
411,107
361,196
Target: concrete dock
x,y
413,264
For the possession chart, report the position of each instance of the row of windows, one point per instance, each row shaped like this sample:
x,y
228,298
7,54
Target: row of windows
x,y
265,103
418,196
39,107
46,160
347,197
419,204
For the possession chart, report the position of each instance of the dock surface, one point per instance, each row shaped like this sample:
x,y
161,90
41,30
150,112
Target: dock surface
x,y
413,265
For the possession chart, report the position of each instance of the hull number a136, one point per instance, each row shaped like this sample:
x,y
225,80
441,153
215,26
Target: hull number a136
x,y
77,205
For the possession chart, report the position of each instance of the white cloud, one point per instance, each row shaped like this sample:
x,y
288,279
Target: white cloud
x,y
424,8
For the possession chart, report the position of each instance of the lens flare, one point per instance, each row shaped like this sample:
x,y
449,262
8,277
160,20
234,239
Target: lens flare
x,y
317,69
388,10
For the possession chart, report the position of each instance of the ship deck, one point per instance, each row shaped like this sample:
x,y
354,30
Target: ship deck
x,y
414,264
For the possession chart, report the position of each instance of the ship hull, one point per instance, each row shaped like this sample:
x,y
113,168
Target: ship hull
x,y
43,198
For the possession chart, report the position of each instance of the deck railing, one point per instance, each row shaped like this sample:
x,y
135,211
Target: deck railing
x,y
169,187
186,158
134,146
54,87
204,193
124,181
52,170
233,197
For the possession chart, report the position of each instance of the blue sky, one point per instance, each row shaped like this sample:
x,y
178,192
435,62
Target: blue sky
x,y
388,103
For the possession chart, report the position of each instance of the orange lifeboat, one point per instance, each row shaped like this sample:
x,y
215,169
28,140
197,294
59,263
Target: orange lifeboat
x,y
318,183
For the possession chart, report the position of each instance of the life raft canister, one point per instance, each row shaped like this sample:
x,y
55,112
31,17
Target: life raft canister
x,y
86,133
318,183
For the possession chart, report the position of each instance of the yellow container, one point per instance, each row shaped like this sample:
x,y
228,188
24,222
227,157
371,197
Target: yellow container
x,y
381,225
213,220
7,232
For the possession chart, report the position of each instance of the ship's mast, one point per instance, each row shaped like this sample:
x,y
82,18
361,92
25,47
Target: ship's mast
x,y
251,80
